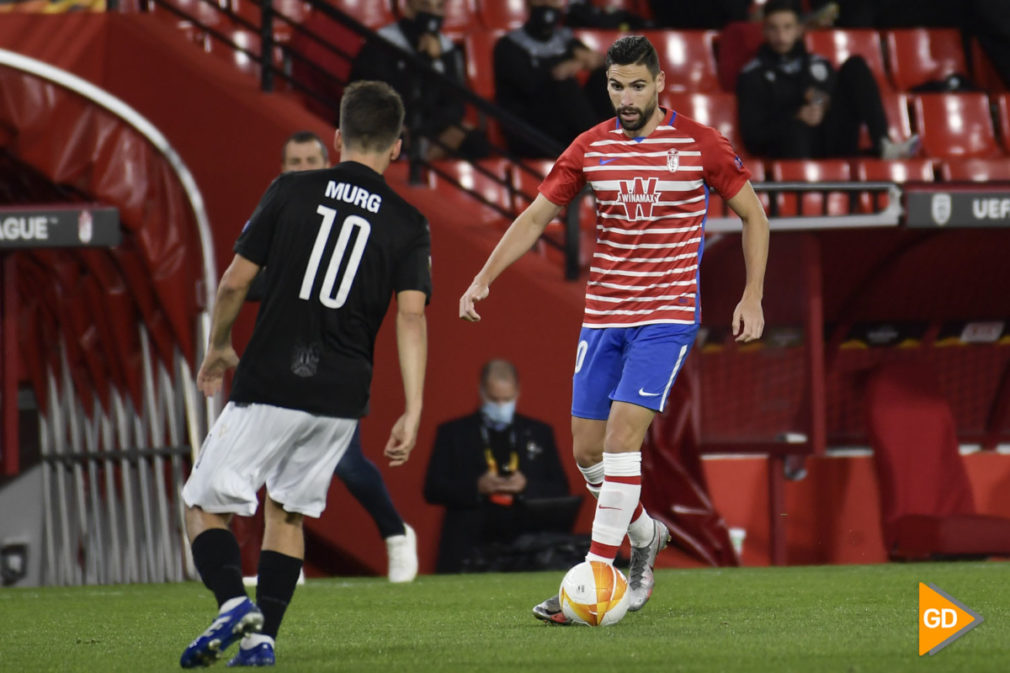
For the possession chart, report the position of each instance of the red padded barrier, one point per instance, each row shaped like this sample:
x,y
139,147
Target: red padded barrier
x,y
926,501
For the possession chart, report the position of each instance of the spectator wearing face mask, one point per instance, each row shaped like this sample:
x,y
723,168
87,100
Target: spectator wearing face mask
x,y
535,74
484,465
434,113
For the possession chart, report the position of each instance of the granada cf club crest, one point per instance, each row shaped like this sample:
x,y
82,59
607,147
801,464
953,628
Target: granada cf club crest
x,y
84,227
673,160
638,196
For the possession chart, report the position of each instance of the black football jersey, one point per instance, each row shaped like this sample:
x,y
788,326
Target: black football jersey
x,y
336,245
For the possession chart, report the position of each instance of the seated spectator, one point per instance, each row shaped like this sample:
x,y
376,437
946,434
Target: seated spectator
x,y
794,105
433,112
535,68
482,468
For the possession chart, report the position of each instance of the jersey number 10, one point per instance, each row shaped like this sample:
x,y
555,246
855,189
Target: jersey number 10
x,y
330,279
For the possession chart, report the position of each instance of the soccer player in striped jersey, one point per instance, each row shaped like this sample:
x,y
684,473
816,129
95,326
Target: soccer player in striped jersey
x,y
652,171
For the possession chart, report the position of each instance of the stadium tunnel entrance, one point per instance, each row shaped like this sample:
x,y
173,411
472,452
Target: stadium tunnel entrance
x,y
100,344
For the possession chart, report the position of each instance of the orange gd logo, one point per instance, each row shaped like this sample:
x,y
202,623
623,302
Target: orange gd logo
x,y
942,619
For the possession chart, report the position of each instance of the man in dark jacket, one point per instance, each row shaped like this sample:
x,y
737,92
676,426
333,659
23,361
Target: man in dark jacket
x,y
434,112
535,68
794,105
484,466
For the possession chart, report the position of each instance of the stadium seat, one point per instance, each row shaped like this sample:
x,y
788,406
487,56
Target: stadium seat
x,y
598,40
502,14
495,191
478,46
1003,115
688,59
713,109
920,55
736,46
812,203
838,45
460,17
926,503
372,13
898,170
976,170
953,125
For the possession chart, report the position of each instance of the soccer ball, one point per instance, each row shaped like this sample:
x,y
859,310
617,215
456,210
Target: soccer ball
x,y
594,593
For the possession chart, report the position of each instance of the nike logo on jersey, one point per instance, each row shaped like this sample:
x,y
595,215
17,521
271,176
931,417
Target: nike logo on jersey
x,y
641,391
607,161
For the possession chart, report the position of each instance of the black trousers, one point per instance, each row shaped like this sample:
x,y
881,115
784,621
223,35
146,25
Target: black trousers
x,y
855,101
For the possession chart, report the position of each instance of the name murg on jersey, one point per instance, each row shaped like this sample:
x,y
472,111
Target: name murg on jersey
x,y
353,194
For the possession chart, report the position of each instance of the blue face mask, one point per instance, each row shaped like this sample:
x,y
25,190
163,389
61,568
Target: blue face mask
x,y
499,413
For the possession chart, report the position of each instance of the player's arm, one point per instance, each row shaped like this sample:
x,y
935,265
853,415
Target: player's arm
x,y
412,345
231,292
520,237
748,317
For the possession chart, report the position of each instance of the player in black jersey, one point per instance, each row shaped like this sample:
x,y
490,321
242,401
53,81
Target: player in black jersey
x,y
336,244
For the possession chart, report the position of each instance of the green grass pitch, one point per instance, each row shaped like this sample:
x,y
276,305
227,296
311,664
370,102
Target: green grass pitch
x,y
849,619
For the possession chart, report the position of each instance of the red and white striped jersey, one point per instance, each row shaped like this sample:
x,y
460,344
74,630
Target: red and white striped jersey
x,y
651,203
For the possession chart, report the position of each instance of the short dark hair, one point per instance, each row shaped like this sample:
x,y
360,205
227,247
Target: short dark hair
x,y
371,116
497,369
304,137
634,50
775,6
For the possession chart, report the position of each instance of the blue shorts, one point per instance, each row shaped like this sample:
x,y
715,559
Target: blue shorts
x,y
627,364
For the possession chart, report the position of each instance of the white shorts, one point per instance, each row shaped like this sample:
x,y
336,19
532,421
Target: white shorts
x,y
293,452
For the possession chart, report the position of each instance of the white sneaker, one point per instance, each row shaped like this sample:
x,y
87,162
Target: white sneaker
x,y
402,553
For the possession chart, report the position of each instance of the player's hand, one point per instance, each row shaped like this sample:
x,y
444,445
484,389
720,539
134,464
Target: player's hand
x,y
215,364
748,320
402,438
473,294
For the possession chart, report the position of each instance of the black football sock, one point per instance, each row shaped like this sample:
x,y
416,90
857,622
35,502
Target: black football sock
x,y
219,562
278,576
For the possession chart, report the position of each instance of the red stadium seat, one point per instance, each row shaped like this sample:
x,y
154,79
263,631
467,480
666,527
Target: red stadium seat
x,y
479,48
712,109
502,14
598,40
955,125
460,16
812,203
737,44
899,171
920,55
976,170
688,59
494,191
1003,115
372,13
838,45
